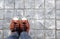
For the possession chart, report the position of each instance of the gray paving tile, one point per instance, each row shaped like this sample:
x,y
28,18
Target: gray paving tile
x,y
49,24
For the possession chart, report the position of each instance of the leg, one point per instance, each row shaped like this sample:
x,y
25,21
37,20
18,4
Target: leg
x,y
24,35
14,35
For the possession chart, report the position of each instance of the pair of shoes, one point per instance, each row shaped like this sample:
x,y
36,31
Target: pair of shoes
x,y
19,26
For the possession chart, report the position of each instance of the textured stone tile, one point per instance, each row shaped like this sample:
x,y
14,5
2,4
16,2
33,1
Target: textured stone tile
x,y
8,18
49,5
39,4
29,3
2,13
6,33
6,25
39,24
57,4
49,24
1,4
58,34
9,15
29,13
31,22
18,13
39,34
58,24
1,24
50,14
9,4
1,33
39,14
32,33
49,34
19,4
58,14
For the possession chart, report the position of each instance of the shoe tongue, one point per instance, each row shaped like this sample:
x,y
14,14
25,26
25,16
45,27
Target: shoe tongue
x,y
15,18
24,18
